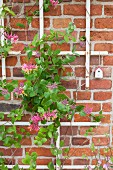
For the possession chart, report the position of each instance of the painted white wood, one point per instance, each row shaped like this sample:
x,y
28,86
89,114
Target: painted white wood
x,y
48,123
87,42
41,16
2,43
45,167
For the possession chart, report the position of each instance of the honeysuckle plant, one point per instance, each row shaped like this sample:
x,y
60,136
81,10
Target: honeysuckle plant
x,y
42,94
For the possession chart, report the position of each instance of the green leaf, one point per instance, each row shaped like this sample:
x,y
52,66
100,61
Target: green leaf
x,y
20,25
66,38
7,96
35,40
82,113
51,166
61,143
9,11
41,110
50,134
58,161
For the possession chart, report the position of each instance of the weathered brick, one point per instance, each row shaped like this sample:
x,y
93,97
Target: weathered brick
x,y
67,130
108,10
29,10
8,107
102,95
100,130
80,141
11,151
53,11
20,1
63,47
17,72
102,23
101,141
14,21
82,95
40,151
104,47
100,84
8,72
107,107
78,118
80,71
23,59
69,84
81,162
108,60
101,35
61,22
35,23
25,36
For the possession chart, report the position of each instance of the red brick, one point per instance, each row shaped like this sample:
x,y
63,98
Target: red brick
x,y
8,72
21,1
94,60
18,47
95,106
78,118
61,22
66,140
107,71
29,10
69,84
107,107
80,152
25,36
35,23
106,119
102,23
76,10
39,161
81,162
26,141
63,47
102,95
100,84
68,130
79,60
108,60
53,11
11,61
80,141
80,72
99,130
101,35
40,151
108,10
80,23
11,151
82,95
14,21
23,59
67,71
104,47
17,72
79,10
100,141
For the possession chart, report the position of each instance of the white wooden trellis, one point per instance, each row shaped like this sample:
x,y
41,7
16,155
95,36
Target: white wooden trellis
x,y
87,53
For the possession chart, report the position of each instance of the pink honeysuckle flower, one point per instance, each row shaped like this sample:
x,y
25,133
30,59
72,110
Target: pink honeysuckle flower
x,y
4,91
105,166
99,161
65,102
52,86
50,115
34,127
89,168
54,2
18,90
12,38
88,109
27,68
36,119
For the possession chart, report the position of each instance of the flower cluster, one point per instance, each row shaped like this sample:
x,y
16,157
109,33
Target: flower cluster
x,y
37,118
54,2
19,90
87,109
52,86
27,68
4,91
10,37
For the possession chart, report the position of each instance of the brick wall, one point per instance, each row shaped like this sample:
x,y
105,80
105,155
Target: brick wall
x,y
99,96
